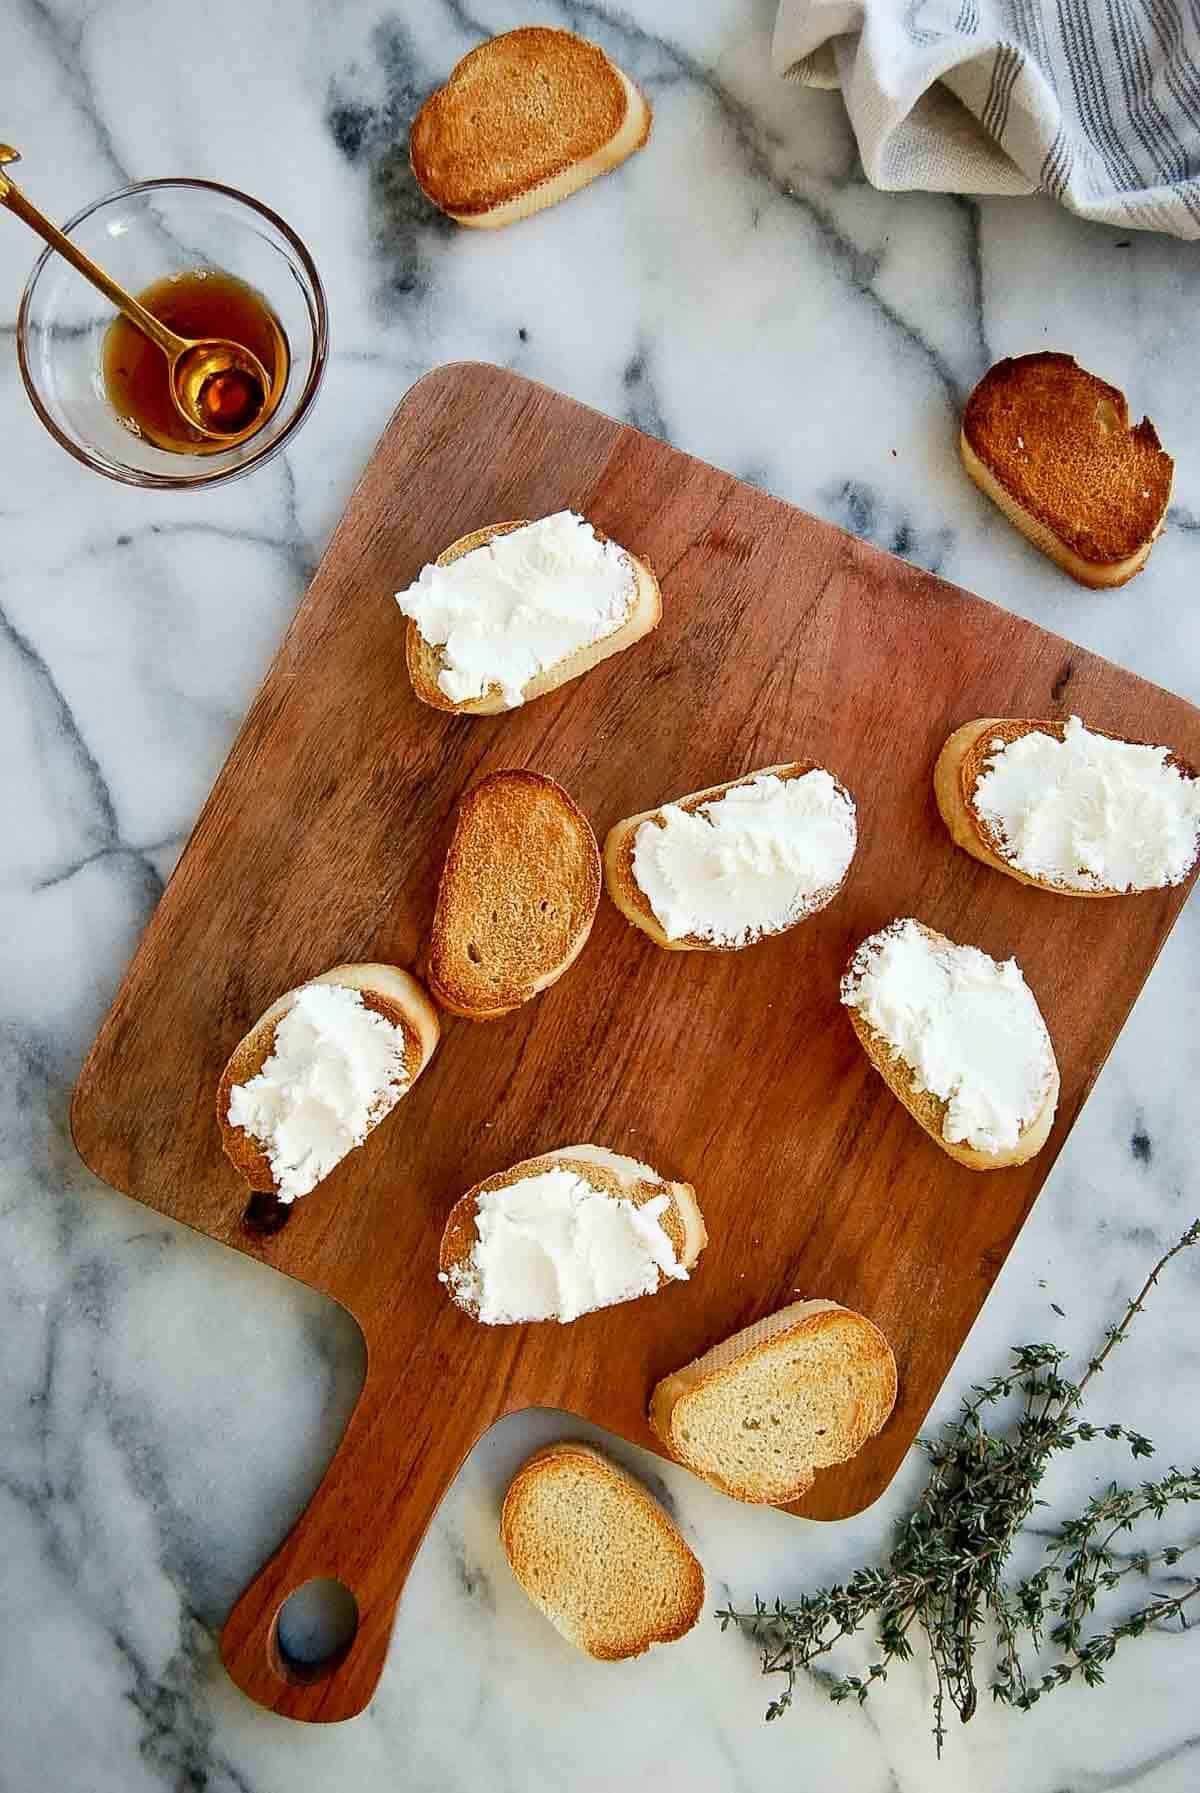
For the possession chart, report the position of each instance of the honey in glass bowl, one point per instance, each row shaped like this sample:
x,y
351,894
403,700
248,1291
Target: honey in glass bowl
x,y
198,302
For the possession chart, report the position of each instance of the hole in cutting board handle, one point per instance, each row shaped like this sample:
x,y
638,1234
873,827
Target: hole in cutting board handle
x,y
313,1630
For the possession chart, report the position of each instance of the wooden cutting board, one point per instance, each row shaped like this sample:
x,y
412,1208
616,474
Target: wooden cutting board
x,y
322,841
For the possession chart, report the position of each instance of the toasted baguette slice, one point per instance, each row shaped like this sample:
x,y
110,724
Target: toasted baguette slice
x,y
632,900
525,120
611,1172
1052,445
425,660
386,989
930,1111
963,762
517,898
597,1553
761,1413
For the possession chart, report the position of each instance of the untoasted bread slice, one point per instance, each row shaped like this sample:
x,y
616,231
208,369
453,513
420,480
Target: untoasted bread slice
x,y
612,1173
963,762
386,989
635,905
517,898
1052,445
930,1111
525,119
425,660
598,1554
761,1413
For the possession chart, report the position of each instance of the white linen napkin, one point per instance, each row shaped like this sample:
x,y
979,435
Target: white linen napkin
x,y
1096,102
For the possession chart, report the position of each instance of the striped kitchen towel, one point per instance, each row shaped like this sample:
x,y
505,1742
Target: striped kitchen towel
x,y
1096,102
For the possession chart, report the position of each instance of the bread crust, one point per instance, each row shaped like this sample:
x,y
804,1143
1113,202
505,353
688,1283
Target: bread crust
x,y
634,904
425,662
960,766
525,119
612,1173
386,989
1051,445
656,1609
724,1362
929,1111
482,813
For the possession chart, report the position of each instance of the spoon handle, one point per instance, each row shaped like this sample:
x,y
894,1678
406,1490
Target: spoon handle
x,y
12,197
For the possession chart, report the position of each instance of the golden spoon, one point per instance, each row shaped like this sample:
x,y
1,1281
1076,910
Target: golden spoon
x,y
217,386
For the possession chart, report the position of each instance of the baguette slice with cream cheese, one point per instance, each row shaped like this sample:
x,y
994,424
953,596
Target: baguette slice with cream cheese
x,y
607,1174
761,1413
932,1111
387,991
963,762
597,1553
621,850
526,119
426,660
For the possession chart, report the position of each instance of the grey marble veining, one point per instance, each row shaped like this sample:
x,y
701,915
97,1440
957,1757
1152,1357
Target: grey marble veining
x,y
166,1408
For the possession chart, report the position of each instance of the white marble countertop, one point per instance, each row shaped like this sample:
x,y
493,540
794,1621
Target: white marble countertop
x,y
165,1407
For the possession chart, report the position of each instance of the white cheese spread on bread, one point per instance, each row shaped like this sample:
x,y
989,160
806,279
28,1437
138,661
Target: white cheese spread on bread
x,y
336,1068
1090,813
750,862
552,1246
520,604
967,1027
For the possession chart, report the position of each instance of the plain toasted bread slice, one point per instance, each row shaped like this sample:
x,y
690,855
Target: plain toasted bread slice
x,y
761,1413
1052,445
517,898
632,900
425,660
963,762
613,1173
386,989
598,1554
525,120
930,1110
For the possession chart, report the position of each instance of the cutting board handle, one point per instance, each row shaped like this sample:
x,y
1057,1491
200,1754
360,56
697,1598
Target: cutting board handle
x,y
351,1526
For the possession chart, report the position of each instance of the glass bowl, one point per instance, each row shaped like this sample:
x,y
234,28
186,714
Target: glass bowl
x,y
139,235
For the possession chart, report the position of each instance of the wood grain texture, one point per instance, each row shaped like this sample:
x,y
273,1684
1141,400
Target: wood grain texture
x,y
782,638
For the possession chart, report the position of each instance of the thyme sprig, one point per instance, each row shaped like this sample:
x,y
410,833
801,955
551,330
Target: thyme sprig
x,y
945,1576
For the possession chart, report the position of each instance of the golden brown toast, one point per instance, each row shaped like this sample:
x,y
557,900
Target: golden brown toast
x,y
386,989
962,763
517,898
632,900
425,660
929,1111
611,1172
524,120
759,1414
1051,444
597,1553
